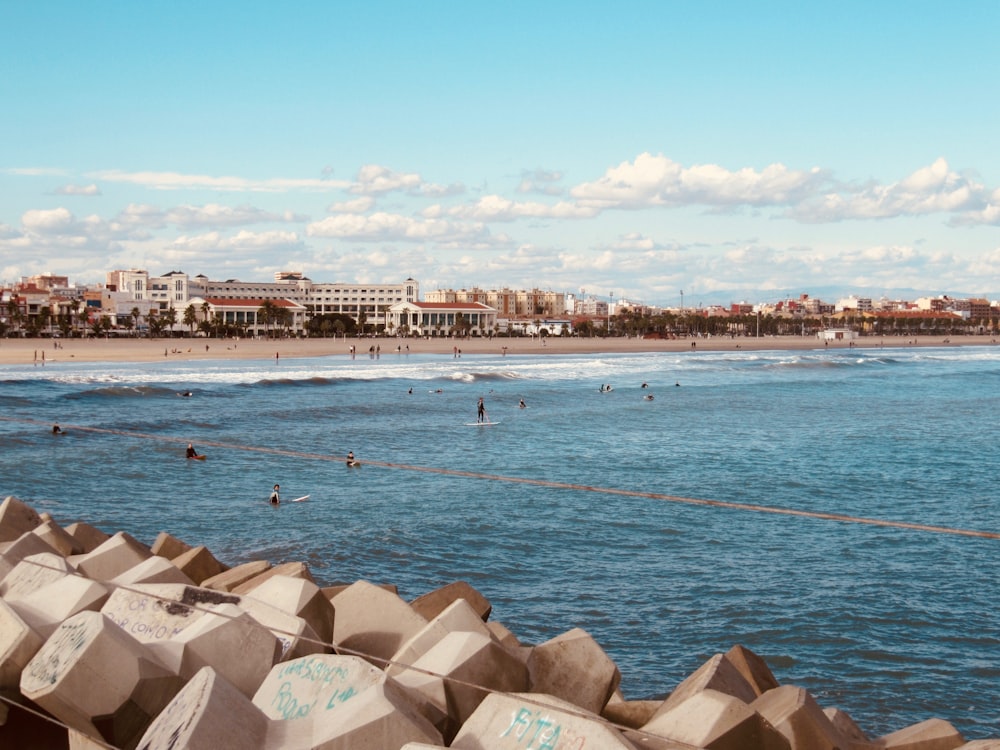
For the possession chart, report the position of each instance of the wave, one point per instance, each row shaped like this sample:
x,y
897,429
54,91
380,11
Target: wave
x,y
123,391
473,377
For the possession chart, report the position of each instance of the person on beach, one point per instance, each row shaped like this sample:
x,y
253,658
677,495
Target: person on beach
x,y
481,411
191,452
275,499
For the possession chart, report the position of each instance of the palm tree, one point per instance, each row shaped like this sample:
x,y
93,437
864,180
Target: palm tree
x,y
190,318
45,318
152,324
266,314
14,312
135,318
169,319
75,315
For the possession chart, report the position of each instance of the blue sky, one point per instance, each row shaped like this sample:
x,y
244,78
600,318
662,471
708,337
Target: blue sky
x,y
733,150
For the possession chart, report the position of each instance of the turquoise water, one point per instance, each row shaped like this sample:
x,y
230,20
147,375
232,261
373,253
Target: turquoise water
x,y
893,625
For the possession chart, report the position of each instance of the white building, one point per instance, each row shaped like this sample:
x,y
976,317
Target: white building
x,y
366,304
440,318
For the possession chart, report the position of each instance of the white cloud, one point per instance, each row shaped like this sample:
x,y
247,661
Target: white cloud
x,y
210,215
932,189
179,181
49,221
241,241
35,171
658,181
356,206
88,190
497,208
374,180
387,227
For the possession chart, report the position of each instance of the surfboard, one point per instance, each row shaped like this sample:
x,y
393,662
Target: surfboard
x,y
300,499
353,464
202,457
480,424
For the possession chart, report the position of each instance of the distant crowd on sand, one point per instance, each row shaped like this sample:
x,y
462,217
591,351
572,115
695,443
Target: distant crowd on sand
x,y
105,640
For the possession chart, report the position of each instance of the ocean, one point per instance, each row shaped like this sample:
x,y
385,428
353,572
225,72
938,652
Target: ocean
x,y
582,509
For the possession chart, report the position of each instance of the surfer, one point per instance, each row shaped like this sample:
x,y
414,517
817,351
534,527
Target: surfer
x,y
56,429
522,405
275,499
481,411
191,452
350,459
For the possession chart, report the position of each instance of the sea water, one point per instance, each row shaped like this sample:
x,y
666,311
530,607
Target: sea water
x,y
569,512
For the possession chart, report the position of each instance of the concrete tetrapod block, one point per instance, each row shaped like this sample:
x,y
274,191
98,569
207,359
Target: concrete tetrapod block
x,y
572,666
535,720
18,644
433,603
154,570
372,622
848,727
95,678
230,579
227,639
296,636
714,720
33,572
503,634
112,558
168,546
57,538
89,537
47,607
300,598
459,616
718,673
16,518
753,668
933,734
339,702
632,714
795,713
199,564
292,570
151,612
26,545
457,672
208,714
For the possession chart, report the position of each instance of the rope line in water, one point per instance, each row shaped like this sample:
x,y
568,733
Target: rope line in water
x,y
729,505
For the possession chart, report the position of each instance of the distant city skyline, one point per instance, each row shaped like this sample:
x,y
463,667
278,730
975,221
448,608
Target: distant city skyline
x,y
735,151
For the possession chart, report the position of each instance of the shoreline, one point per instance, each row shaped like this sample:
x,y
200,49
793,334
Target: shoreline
x,y
58,351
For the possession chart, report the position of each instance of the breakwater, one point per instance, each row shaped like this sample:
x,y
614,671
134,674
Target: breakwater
x,y
108,641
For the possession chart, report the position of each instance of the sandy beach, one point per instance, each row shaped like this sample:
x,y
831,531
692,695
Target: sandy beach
x,y
49,352
37,351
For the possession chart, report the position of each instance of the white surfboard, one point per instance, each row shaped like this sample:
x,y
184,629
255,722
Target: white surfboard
x,y
480,424
300,499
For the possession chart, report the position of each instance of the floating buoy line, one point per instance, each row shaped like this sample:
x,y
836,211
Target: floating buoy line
x,y
659,496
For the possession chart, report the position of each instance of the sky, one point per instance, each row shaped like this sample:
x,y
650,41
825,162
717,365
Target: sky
x,y
662,152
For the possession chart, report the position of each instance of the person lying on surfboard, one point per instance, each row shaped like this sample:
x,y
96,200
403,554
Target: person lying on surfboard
x,y
191,452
